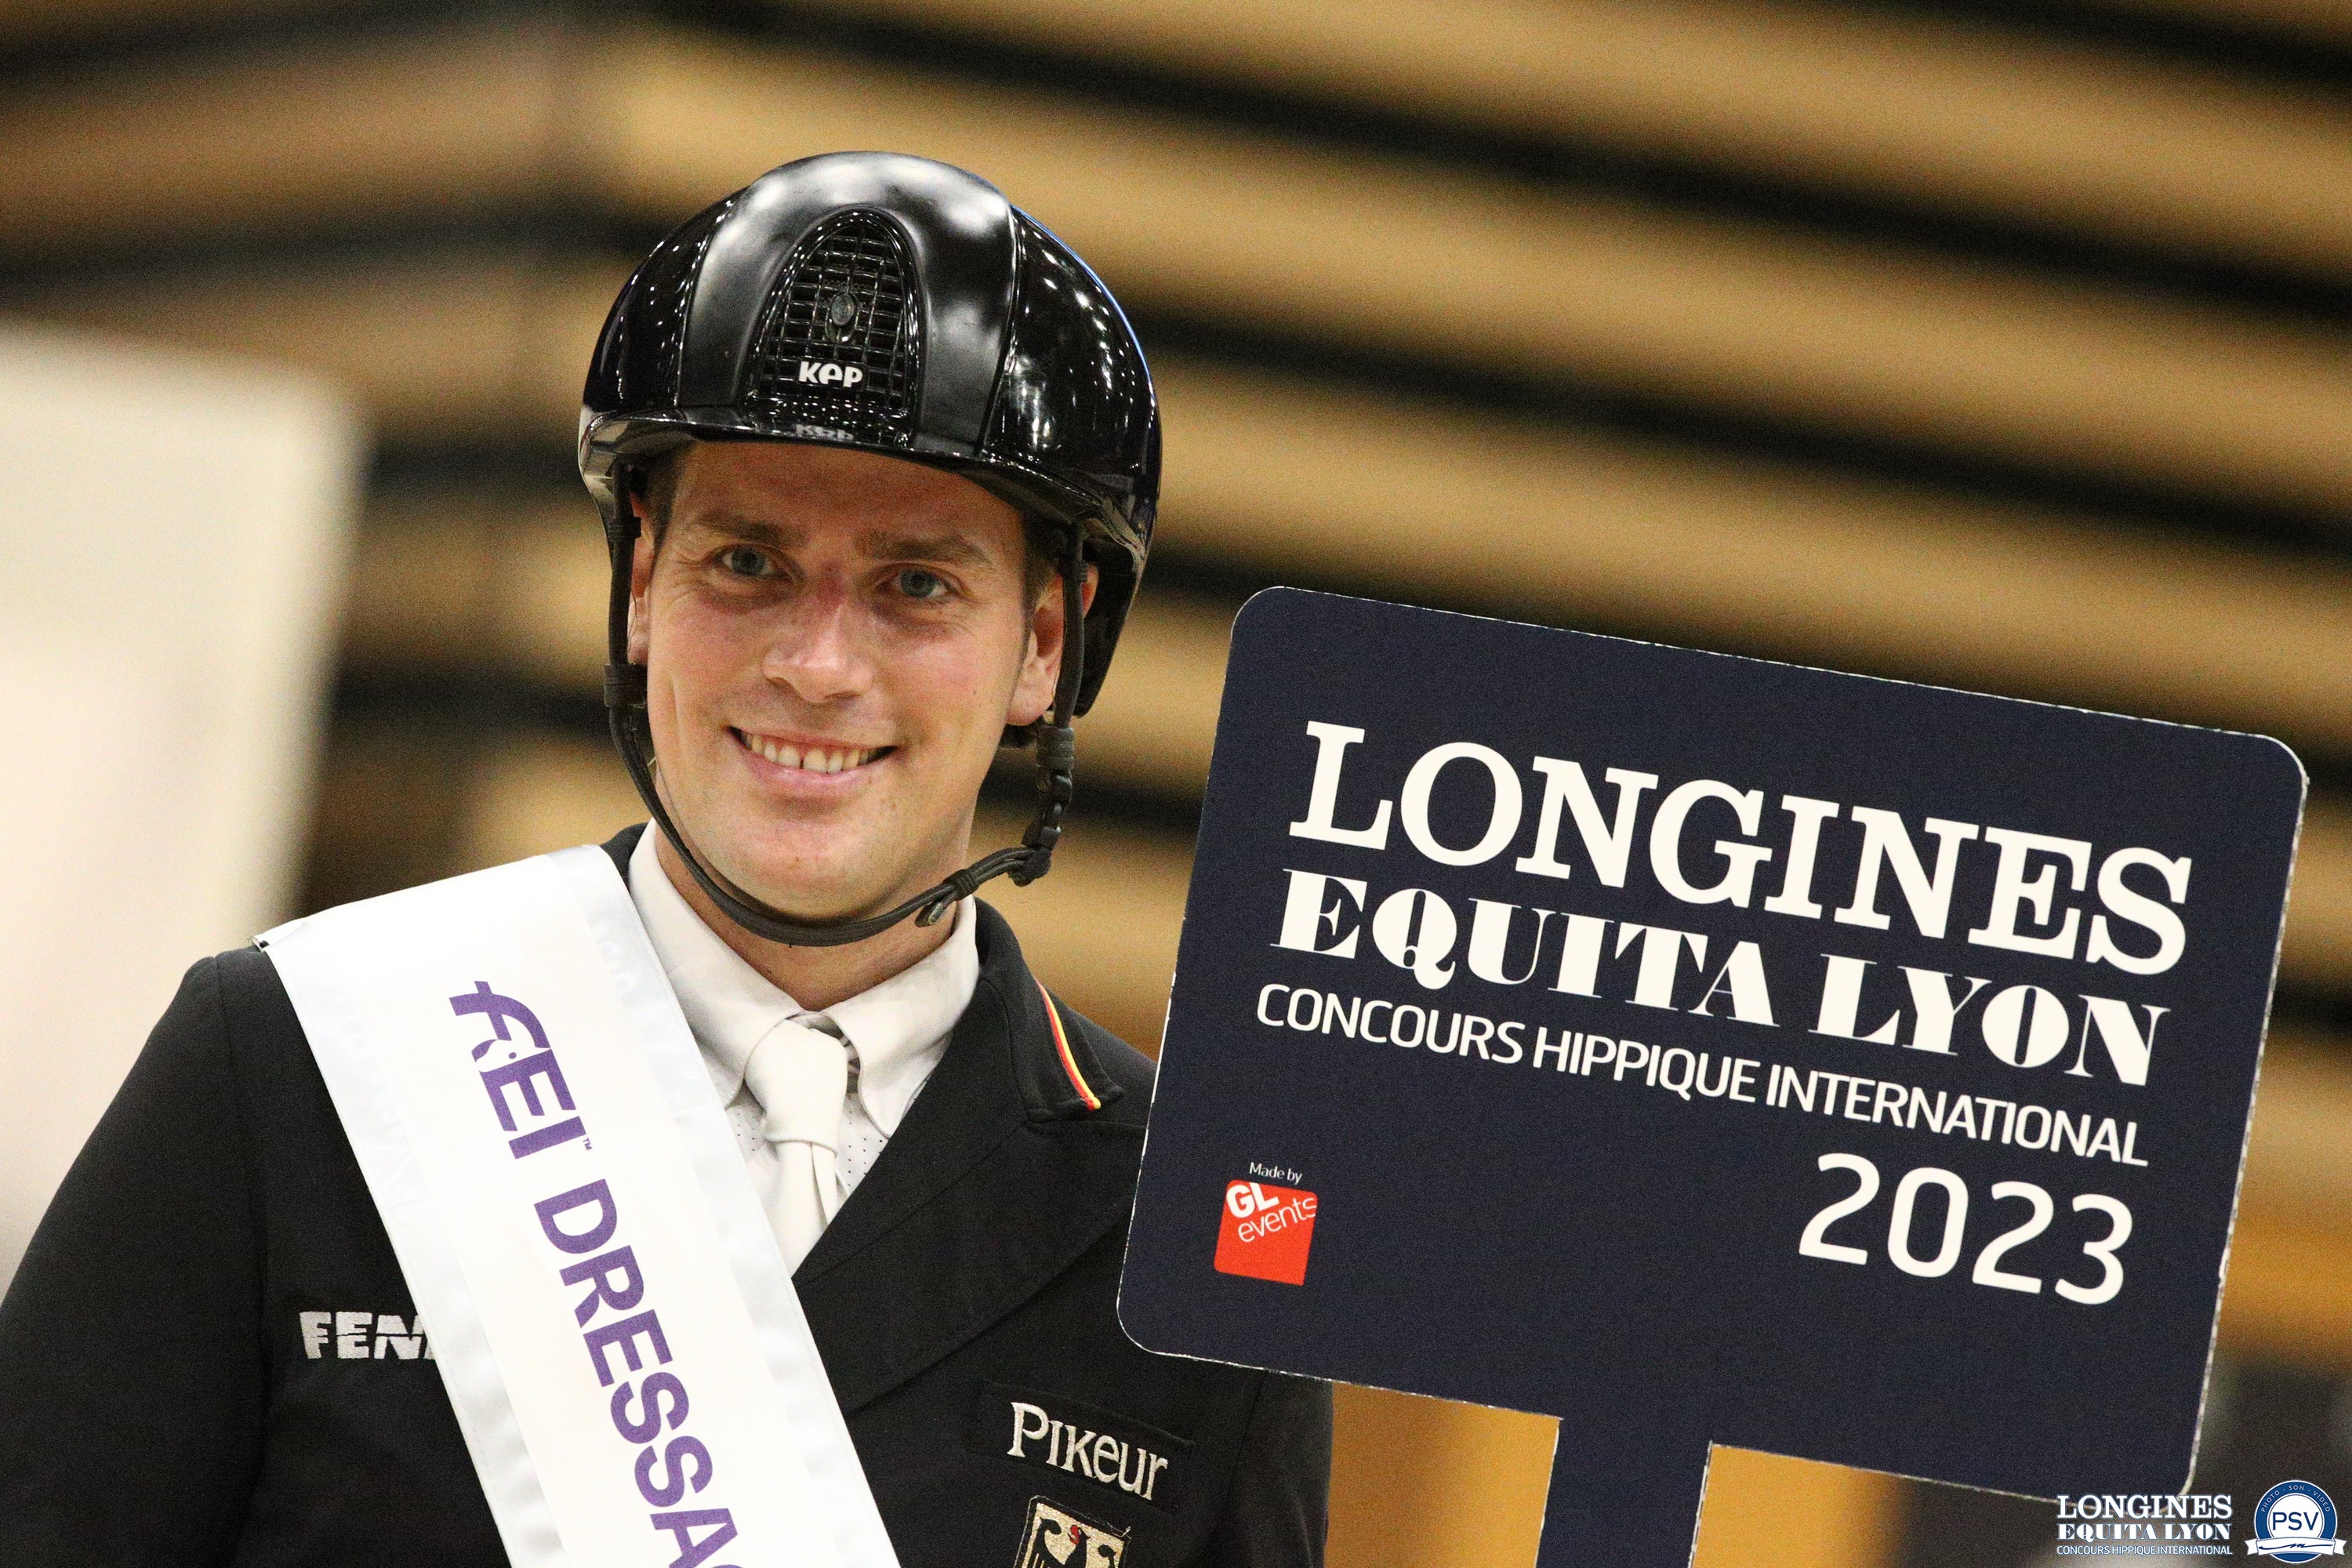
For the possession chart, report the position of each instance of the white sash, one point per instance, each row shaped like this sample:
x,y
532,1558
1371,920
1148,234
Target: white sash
x,y
526,1101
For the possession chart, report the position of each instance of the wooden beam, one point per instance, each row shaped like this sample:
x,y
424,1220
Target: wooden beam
x,y
1427,1483
1353,486
1926,112
1423,260
1407,258
442,121
2290,1294
1973,117
2300,1159
39,22
1766,1510
2318,947
2326,21
455,346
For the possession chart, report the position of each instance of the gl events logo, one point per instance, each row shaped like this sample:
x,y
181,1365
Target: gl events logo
x,y
1266,1232
2294,1523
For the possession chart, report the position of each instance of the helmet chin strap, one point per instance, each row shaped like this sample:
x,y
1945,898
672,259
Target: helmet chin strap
x,y
624,705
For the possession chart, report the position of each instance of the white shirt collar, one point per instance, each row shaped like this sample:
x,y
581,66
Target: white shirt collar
x,y
898,1030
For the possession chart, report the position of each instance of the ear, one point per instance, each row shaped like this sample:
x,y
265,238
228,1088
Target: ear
x,y
641,577
1041,666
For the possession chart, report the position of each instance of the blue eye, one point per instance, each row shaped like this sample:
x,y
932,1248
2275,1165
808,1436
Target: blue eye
x,y
743,561
918,583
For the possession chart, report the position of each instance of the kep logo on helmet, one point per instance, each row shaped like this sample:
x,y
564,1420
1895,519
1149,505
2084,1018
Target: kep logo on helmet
x,y
840,341
1266,1232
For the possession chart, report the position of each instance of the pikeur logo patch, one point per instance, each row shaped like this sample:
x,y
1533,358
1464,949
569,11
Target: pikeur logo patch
x,y
1050,1432
1057,1538
362,1336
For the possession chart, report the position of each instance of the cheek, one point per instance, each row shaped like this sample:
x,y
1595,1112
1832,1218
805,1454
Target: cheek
x,y
953,693
963,689
695,649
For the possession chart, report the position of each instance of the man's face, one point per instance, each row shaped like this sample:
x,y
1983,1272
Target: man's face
x,y
833,643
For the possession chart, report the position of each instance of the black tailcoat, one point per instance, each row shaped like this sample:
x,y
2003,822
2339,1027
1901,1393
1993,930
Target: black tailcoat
x,y
206,1356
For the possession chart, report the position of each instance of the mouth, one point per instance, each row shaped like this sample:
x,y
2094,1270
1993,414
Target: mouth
x,y
809,756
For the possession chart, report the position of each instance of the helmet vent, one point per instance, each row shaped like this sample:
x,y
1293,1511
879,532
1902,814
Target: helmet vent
x,y
839,349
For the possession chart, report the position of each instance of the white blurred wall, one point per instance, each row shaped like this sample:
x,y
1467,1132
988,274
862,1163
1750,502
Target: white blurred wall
x,y
172,540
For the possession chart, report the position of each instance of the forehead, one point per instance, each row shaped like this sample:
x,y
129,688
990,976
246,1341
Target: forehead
x,y
811,490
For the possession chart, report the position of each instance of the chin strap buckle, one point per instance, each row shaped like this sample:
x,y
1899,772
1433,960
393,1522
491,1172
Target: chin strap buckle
x,y
1057,757
1057,748
959,887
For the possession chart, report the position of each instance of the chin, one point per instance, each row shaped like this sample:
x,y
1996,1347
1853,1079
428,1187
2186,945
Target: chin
x,y
809,882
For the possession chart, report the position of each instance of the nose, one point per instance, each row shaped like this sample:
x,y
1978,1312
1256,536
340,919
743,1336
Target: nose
x,y
817,653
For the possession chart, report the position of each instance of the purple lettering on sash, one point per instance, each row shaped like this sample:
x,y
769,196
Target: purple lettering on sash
x,y
664,1396
614,1281
548,1137
688,1465
585,1221
608,1218
626,1334
682,1526
498,1009
519,1075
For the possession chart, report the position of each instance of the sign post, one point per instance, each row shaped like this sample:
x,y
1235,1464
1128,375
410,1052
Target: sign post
x,y
1705,1050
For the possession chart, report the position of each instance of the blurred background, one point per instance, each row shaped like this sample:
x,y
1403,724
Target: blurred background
x,y
1994,343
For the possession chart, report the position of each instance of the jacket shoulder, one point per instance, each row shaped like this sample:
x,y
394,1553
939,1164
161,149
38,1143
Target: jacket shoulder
x,y
251,1011
249,987
228,1004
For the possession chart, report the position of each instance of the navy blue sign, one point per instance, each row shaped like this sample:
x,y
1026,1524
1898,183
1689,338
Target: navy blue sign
x,y
1701,1050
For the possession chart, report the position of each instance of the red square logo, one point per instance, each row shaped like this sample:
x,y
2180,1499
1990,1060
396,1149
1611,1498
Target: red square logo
x,y
1266,1232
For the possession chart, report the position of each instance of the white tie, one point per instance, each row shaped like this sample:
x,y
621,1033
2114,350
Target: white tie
x,y
801,1077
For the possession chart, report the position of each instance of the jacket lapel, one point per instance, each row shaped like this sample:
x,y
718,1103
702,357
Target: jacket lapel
x,y
1001,1176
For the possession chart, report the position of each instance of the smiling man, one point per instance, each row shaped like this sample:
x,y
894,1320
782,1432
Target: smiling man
x,y
759,1107
836,643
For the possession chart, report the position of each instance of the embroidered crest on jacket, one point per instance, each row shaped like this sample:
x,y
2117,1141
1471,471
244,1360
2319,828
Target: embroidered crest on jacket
x,y
1057,1538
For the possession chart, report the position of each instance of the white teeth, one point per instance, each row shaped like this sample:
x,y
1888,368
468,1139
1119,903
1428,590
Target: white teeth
x,y
814,760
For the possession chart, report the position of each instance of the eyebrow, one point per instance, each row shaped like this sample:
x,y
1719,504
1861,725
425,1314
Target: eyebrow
x,y
949,548
749,530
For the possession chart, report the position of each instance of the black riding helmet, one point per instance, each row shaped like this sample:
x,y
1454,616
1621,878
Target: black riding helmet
x,y
894,305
